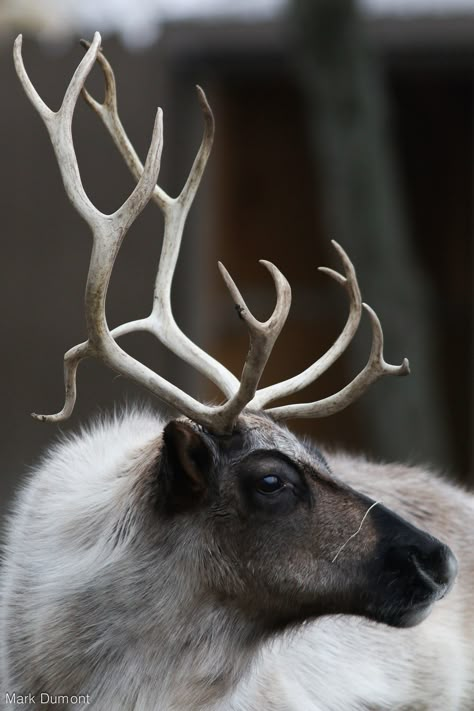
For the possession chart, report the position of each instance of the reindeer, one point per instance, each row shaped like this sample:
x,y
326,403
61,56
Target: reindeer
x,y
216,561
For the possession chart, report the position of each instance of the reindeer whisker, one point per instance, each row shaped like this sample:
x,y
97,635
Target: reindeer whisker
x,y
356,532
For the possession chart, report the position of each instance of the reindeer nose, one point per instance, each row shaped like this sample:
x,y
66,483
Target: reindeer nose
x,y
433,565
438,567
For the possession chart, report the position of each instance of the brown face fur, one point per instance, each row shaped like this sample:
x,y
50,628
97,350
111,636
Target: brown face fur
x,y
279,530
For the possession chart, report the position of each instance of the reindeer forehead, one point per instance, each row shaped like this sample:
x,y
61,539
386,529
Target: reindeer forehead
x,y
256,431
264,433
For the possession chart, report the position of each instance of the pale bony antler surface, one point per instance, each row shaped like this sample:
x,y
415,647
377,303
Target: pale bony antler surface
x,y
374,369
108,233
287,387
108,230
161,322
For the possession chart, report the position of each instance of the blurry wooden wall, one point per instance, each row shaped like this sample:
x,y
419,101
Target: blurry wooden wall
x,y
267,202
265,152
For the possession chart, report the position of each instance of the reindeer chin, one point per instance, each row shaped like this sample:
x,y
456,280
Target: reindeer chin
x,y
406,617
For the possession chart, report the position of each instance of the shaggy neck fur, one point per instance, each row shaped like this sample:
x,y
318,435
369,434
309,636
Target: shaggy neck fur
x,y
99,597
166,655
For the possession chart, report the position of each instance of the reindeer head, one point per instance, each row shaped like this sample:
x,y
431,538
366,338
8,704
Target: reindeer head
x,y
284,540
272,532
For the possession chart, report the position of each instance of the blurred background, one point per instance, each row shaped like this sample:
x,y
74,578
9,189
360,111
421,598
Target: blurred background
x,y
335,120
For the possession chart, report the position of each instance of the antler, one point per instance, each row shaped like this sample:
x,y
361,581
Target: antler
x,y
161,322
374,369
108,233
311,374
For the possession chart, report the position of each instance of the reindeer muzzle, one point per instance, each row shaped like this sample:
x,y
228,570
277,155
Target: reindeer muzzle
x,y
417,570
433,568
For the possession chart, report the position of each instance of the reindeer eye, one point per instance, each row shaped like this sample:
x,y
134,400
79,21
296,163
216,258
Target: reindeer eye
x,y
269,484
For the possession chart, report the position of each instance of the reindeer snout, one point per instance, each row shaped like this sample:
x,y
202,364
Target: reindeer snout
x,y
432,566
414,570
438,567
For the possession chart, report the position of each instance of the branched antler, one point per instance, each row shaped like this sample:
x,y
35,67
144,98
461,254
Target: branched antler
x,y
108,233
161,322
374,369
311,374
108,230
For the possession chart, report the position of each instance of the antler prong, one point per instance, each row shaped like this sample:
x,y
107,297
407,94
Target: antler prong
x,y
189,190
239,303
59,127
108,113
350,278
376,360
375,368
275,322
333,274
71,363
262,337
314,371
139,198
78,78
44,110
110,94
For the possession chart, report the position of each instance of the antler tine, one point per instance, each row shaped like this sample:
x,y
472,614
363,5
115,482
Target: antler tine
x,y
198,167
44,110
296,383
262,339
71,363
108,113
161,322
374,369
59,125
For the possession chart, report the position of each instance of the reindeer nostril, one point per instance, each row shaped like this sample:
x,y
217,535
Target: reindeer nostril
x,y
437,567
430,566
444,566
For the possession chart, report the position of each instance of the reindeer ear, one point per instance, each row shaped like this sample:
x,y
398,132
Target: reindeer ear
x,y
185,467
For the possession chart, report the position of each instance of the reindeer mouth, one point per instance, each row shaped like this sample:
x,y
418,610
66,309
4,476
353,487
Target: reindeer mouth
x,y
397,612
413,617
407,595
